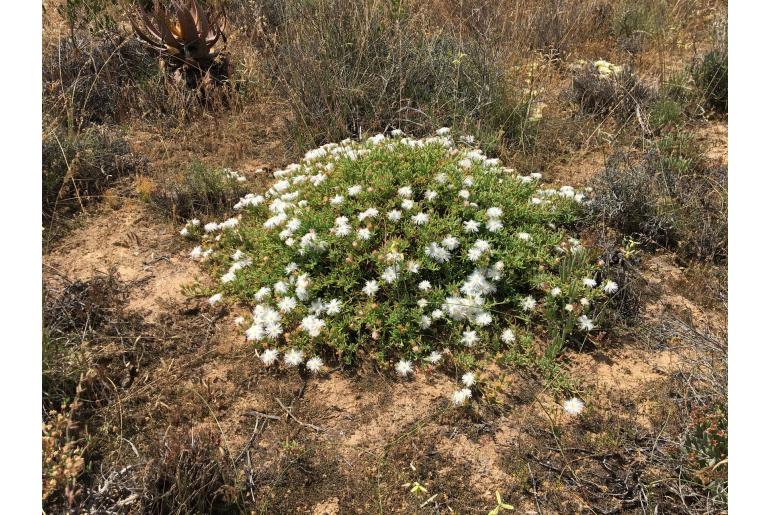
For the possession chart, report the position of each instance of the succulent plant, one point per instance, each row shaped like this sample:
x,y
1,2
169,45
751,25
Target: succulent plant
x,y
184,35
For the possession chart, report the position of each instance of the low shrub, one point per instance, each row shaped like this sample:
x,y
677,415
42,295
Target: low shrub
x,y
665,113
710,75
200,191
670,198
405,250
78,167
602,88
633,22
376,67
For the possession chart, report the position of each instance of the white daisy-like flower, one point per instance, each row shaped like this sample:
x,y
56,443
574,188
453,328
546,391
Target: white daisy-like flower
x,y
211,227
354,190
468,181
443,131
333,307
434,357
420,218
217,297
196,252
228,277
494,212
294,357
405,192
262,293
469,379
450,242
610,287
425,322
555,292
394,215
589,282
370,288
437,253
464,194
471,226
465,163
469,338
424,285
494,225
185,231
528,303
441,178
337,200
573,406
369,213
430,195
585,323
483,319
569,308
584,302
291,267
287,304
412,267
255,333
269,356
407,204
421,303
460,397
389,275
364,234
508,336
314,364
523,236
404,368
273,330
239,321
536,200
312,325
436,314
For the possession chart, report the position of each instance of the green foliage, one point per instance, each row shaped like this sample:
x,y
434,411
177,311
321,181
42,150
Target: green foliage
x,y
288,245
665,113
705,446
710,76
377,67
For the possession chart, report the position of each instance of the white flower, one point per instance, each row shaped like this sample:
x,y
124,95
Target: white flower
x,y
536,201
394,215
469,338
523,236
217,297
196,252
420,218
508,336
280,287
584,302
405,191
407,204
404,368
450,242
585,323
569,308
364,234
369,213
528,303
443,131
337,200
425,322
464,163
371,288
255,333
412,267
262,293
430,195
610,287
460,397
469,379
421,303
471,226
494,212
390,275
573,406
269,357
333,307
211,227
239,321
464,194
468,181
483,319
312,325
185,231
434,357
555,292
494,225
294,357
587,281
441,178
436,314
354,190
314,364
437,253
273,330
287,304
291,267
424,285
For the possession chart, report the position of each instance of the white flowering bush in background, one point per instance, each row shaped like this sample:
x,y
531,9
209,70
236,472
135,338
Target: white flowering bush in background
x,y
406,251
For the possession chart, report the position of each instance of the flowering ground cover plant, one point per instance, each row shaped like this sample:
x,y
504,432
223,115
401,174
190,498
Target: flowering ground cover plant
x,y
408,251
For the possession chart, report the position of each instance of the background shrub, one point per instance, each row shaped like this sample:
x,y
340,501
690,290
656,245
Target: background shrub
x,y
617,94
77,168
710,75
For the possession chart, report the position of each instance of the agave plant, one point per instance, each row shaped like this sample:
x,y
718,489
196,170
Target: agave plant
x,y
185,36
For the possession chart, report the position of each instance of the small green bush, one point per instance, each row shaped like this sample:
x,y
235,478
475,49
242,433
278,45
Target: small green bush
x,y
664,113
401,249
710,75
601,88
200,191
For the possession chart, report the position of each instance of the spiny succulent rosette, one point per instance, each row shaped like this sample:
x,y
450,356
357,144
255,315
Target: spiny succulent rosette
x,y
407,250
